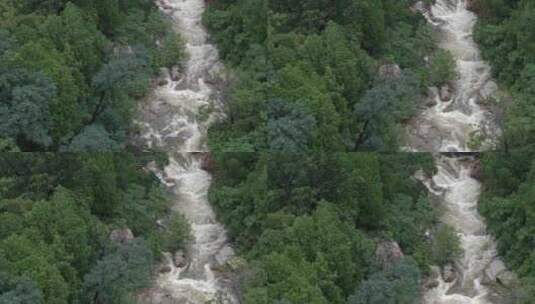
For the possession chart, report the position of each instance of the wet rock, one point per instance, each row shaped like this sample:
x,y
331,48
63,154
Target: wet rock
x,y
389,71
430,284
224,255
431,102
496,272
179,259
445,93
431,281
175,73
207,162
163,82
488,90
477,171
494,269
388,253
448,273
165,269
507,279
122,236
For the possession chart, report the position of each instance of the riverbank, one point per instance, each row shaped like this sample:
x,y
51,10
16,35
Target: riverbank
x,y
175,120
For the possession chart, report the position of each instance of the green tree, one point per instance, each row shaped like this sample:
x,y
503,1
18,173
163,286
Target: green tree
x,y
25,108
442,68
446,247
399,285
18,291
118,273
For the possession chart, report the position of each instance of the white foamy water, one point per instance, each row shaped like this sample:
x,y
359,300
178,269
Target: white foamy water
x,y
175,119
459,194
459,124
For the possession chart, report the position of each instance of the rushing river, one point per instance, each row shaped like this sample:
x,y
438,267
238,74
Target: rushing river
x,y
457,122
460,124
175,119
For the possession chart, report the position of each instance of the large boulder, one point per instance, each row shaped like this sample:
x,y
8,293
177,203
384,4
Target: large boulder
x,y
476,171
165,269
389,71
448,273
175,73
388,253
445,93
122,236
489,90
207,162
179,259
496,272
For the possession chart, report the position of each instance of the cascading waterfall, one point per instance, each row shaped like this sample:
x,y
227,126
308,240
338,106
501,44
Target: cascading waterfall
x,y
451,126
175,119
459,124
480,266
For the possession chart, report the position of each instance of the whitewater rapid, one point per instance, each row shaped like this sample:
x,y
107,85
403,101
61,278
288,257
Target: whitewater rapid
x,y
479,266
175,119
460,123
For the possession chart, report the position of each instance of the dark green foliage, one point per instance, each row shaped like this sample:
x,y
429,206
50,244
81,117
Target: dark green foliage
x,y
318,58
289,127
71,71
508,206
24,111
177,234
397,285
172,52
388,102
446,246
308,222
506,36
442,69
18,291
56,214
125,269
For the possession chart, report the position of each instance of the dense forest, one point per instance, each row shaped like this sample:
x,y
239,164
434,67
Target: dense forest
x,y
505,33
508,204
319,89
319,75
71,72
56,215
310,225
506,36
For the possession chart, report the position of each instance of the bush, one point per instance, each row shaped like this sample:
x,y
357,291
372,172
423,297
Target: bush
x,y
446,247
178,233
172,52
442,68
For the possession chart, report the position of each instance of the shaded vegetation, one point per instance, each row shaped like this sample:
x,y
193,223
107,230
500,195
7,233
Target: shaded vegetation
x,y
309,224
56,215
306,69
71,71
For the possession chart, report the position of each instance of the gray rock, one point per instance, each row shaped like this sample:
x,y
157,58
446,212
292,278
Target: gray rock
x,y
165,269
431,102
179,259
507,279
389,71
162,82
224,255
448,273
445,93
489,90
121,235
388,253
496,272
494,269
175,73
